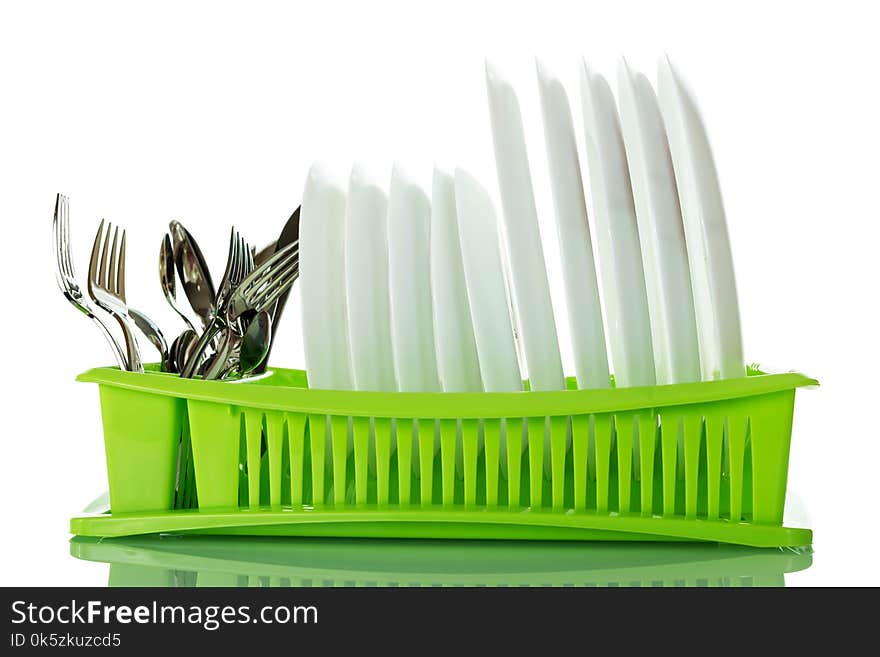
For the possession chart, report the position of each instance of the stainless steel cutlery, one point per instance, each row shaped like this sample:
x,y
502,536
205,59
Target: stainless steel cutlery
x,y
237,319
256,292
66,277
106,285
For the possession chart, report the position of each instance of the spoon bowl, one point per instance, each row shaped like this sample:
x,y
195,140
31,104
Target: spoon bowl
x,y
194,273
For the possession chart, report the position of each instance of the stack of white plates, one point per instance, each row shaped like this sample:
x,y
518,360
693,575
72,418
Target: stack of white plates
x,y
408,289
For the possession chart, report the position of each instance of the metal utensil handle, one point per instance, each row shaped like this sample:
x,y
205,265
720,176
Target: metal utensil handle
x,y
202,345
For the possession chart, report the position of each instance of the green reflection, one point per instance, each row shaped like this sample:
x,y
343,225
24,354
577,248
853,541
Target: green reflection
x,y
248,561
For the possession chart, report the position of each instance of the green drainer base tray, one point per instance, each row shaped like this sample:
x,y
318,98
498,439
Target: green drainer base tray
x,y
399,522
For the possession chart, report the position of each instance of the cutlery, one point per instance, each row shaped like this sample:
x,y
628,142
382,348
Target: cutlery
x,y
239,263
194,273
661,234
255,343
238,266
289,235
258,291
366,283
573,232
705,228
106,286
66,277
181,348
322,281
168,278
263,254
409,285
620,256
149,328
530,287
457,361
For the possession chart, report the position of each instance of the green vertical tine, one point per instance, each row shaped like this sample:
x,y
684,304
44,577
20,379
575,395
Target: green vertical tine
x,y
448,438
296,424
537,430
405,430
580,429
558,436
274,445
470,430
426,429
736,432
318,442
714,449
492,451
339,443
625,424
361,432
669,429
382,435
693,429
647,443
603,430
253,422
512,429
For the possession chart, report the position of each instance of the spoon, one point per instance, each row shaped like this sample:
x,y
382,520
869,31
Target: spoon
x,y
255,343
193,272
168,280
244,353
148,327
181,348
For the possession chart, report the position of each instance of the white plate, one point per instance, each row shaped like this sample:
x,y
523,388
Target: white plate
x,y
409,278
366,283
617,236
664,251
487,297
530,287
573,231
484,277
322,281
457,361
705,227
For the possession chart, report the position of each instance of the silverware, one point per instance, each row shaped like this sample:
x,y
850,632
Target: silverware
x,y
239,263
289,235
168,278
181,348
255,343
194,273
106,286
66,276
149,328
265,253
258,292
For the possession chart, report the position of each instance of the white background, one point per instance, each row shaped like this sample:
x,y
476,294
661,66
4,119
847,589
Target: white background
x,y
211,113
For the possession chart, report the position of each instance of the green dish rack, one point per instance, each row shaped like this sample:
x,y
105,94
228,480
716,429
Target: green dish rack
x,y
701,461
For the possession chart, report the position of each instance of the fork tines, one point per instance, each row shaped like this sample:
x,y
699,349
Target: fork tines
x,y
109,278
262,287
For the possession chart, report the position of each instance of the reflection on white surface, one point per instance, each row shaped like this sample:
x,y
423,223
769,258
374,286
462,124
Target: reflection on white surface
x,y
173,561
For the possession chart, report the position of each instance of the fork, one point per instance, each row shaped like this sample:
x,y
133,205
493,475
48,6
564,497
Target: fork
x,y
66,276
106,286
230,343
258,291
239,263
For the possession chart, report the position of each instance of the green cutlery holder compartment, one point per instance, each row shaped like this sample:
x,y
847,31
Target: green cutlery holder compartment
x,y
701,461
141,436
